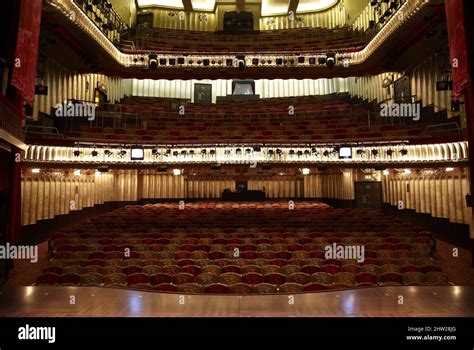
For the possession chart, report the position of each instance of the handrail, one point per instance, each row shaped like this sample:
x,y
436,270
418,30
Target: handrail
x,y
52,128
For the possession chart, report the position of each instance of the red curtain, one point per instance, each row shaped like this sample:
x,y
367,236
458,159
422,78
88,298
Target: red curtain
x,y
457,44
26,55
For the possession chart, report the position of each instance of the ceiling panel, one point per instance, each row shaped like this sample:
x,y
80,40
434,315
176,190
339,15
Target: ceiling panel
x,y
274,7
314,5
175,4
204,5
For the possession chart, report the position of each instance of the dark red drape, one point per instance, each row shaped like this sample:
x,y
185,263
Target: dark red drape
x,y
457,44
26,54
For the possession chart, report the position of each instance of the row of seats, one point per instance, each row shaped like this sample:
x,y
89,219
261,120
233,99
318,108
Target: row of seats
x,y
212,247
315,40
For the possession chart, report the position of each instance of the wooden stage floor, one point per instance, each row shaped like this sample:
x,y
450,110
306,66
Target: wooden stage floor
x,y
51,301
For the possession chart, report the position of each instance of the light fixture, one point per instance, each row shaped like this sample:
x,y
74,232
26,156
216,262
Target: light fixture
x,y
76,153
152,61
305,171
122,153
449,169
403,152
331,59
98,173
326,153
407,171
35,170
94,153
375,152
389,152
155,152
108,153
77,172
176,172
360,152
386,172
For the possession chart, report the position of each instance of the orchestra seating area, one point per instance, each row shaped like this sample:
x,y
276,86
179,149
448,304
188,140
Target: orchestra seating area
x,y
314,40
268,120
241,248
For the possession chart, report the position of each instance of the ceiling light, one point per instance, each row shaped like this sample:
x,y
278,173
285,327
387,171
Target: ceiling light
x,y
386,172
305,171
77,172
407,171
449,169
176,172
35,170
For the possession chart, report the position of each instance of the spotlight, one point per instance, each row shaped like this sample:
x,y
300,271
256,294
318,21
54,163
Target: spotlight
x,y
190,61
176,172
227,152
175,153
375,152
248,151
204,151
122,153
307,153
389,152
270,152
305,171
155,152
360,152
108,153
238,151
76,153
403,152
94,153
279,151
322,60
184,153
326,153
331,59
314,150
152,61
269,61
373,3
191,152
35,170
212,152
299,153
292,152
168,152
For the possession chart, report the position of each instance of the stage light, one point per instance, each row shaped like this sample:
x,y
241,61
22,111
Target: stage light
x,y
375,152
407,171
212,152
190,61
305,171
94,153
382,20
76,153
35,170
227,152
269,61
108,153
152,61
184,153
248,150
386,172
373,3
238,151
403,152
360,152
326,153
175,153
155,152
257,149
203,151
292,61
307,153
168,152
199,62
299,153
279,151
371,24
314,150
191,153
122,153
331,59
270,152
389,152
77,172
176,172
292,152
449,169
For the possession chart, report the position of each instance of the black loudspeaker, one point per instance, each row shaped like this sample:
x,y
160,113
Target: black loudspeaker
x,y
180,60
301,59
162,61
205,62
469,200
172,61
312,60
229,62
